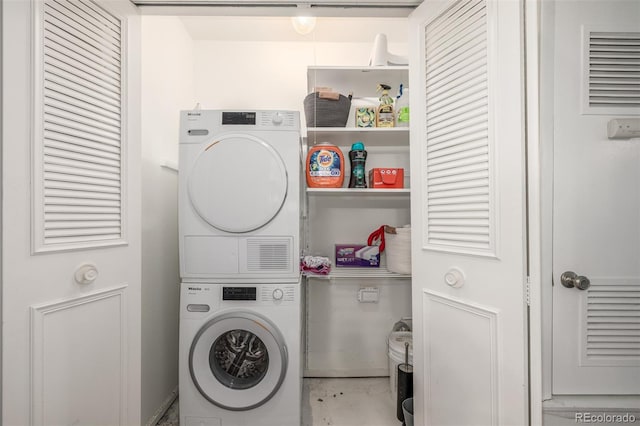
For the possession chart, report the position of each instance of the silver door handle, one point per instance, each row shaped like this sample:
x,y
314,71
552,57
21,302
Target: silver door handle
x,y
570,279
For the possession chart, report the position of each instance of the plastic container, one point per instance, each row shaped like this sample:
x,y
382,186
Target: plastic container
x,y
325,166
402,108
398,249
407,409
358,157
396,357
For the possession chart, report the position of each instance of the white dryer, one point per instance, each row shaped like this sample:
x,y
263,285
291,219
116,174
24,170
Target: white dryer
x,y
239,195
240,354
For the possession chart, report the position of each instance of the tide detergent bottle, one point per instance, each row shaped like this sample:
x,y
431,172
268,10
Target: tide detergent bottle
x,y
325,166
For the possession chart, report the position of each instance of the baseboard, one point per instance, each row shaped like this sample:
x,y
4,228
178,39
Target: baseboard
x,y
163,408
603,410
325,372
593,402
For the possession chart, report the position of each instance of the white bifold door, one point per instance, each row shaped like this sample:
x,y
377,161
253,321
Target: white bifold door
x,y
468,213
70,213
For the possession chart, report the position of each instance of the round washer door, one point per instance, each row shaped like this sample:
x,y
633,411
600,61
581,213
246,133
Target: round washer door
x,y
238,360
238,183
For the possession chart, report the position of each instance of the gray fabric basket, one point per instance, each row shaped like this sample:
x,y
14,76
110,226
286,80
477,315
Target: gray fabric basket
x,y
326,112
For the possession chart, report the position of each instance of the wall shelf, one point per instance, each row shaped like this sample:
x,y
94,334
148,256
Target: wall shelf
x,y
359,192
343,273
374,136
361,81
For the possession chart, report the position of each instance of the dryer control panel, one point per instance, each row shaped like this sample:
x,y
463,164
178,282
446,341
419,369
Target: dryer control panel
x,y
230,117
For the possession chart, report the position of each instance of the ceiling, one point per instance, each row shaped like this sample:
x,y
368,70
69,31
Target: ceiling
x,y
258,28
328,8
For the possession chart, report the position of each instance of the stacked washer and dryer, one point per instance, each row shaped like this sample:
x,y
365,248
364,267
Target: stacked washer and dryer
x,y
240,299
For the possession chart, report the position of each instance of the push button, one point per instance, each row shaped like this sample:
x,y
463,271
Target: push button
x,y
198,308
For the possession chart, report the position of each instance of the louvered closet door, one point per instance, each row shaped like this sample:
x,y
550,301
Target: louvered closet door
x,y
71,213
78,198
468,217
596,214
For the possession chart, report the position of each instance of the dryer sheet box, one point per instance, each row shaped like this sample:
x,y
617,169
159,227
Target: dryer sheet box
x,y
357,255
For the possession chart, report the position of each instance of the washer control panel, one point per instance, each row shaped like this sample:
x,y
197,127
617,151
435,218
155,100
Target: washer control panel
x,y
274,293
278,292
198,299
262,293
238,293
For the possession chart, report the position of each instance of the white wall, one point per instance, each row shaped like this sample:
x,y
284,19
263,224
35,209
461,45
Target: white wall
x,y
167,87
268,75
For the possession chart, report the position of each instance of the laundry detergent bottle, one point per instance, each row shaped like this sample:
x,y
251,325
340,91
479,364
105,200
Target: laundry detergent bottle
x,y
325,166
358,157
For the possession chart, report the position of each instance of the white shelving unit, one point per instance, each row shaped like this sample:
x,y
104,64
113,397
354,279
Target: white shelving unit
x,y
347,216
386,147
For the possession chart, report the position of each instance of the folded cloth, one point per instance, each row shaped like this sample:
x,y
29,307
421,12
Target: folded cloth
x,y
319,265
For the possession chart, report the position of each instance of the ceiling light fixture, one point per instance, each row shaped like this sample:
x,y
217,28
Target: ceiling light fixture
x,y
303,24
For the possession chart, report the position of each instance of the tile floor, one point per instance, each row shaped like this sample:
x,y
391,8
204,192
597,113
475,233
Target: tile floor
x,y
348,402
335,402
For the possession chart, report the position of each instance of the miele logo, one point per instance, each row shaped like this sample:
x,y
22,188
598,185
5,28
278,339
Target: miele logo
x,y
195,288
194,114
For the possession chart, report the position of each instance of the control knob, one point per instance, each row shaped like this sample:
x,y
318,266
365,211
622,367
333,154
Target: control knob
x,y
278,294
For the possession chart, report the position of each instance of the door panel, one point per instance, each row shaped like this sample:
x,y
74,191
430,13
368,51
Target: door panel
x,y
65,351
71,213
468,213
596,219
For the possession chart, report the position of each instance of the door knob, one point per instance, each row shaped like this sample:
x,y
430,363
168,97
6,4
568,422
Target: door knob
x,y
570,279
86,273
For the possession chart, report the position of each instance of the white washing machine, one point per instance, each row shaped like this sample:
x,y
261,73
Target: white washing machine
x,y
239,361
239,195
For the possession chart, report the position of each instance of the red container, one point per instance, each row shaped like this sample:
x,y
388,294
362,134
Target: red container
x,y
386,177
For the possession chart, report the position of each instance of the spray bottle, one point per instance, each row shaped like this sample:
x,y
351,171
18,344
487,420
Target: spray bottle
x,y
385,116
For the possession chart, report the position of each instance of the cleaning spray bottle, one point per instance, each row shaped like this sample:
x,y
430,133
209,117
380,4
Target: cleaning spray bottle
x,y
385,116
402,107
358,157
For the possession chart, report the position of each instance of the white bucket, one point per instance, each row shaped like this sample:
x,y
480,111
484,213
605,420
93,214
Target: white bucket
x,y
398,249
396,357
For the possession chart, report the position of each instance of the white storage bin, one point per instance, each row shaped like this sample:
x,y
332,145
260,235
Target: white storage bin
x,y
398,249
397,340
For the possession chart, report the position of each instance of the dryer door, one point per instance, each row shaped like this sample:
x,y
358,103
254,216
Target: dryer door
x,y
238,183
238,360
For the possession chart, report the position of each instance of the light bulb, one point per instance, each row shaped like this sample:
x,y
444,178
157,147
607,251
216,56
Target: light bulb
x,y
303,24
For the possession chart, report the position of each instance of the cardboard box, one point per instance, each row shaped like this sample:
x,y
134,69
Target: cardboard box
x,y
365,117
386,177
357,255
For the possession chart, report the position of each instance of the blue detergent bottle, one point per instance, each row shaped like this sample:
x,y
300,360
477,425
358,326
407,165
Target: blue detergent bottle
x,y
358,157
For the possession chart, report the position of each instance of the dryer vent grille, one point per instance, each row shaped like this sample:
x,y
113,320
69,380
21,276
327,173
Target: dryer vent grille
x,y
269,255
